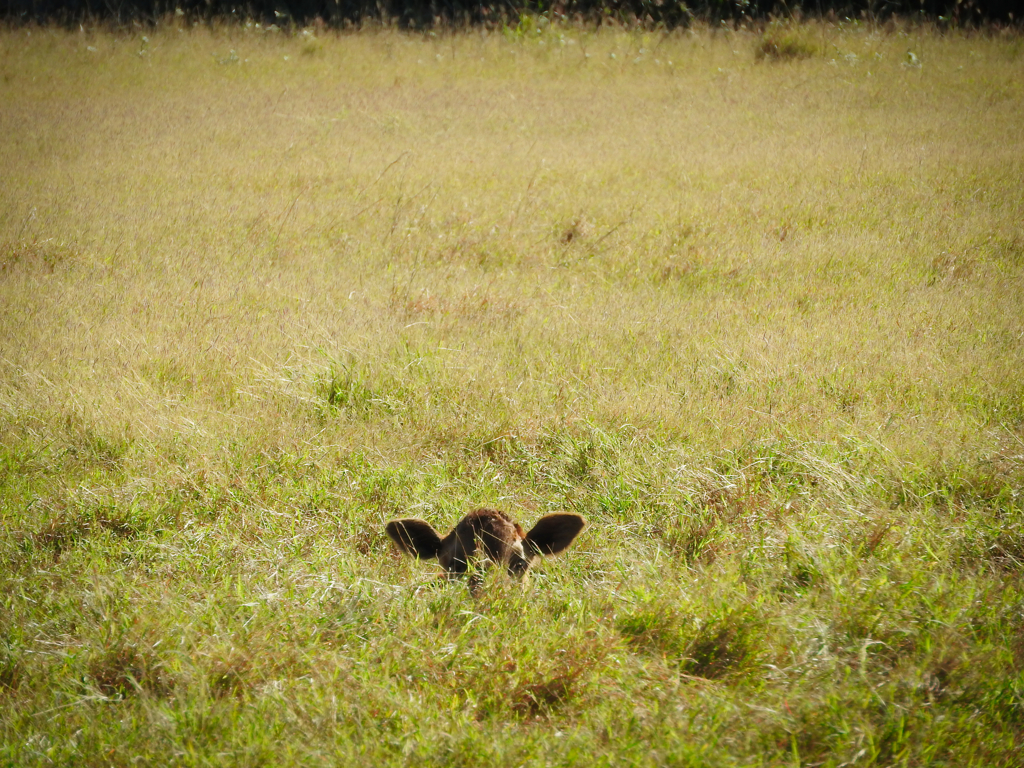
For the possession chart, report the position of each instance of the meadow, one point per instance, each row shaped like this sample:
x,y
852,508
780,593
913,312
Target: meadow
x,y
750,300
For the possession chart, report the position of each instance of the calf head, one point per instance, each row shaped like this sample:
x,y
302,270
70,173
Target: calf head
x,y
486,534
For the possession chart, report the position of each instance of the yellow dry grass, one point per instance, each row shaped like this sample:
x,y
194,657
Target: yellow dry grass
x,y
754,311
503,233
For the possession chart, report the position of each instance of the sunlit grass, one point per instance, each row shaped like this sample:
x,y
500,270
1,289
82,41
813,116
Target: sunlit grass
x,y
757,316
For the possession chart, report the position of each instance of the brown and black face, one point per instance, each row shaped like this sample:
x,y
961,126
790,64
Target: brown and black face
x,y
486,535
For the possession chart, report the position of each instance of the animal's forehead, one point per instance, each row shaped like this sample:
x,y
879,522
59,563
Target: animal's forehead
x,y
487,514
489,520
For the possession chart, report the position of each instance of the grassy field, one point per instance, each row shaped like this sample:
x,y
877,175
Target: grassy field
x,y
750,301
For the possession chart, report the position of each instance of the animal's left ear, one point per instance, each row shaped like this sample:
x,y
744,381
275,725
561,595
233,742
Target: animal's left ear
x,y
554,533
414,537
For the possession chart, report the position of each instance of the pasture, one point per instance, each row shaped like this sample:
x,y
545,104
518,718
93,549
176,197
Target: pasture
x,y
749,300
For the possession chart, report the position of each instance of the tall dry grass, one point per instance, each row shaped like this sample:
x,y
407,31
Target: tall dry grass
x,y
756,314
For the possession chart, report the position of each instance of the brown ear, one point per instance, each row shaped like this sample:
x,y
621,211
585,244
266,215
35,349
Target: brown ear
x,y
414,537
554,533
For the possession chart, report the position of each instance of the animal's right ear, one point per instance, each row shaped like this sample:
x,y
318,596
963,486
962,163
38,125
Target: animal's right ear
x,y
554,533
414,537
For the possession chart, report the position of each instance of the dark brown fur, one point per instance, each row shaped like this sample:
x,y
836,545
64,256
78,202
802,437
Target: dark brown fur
x,y
486,534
